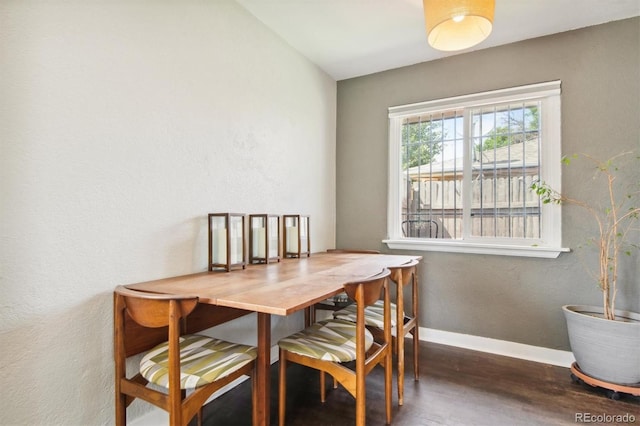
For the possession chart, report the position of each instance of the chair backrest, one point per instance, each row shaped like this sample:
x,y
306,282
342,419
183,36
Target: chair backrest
x,y
153,309
402,274
142,319
367,291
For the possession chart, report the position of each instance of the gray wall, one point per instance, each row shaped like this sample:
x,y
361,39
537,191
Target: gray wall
x,y
502,297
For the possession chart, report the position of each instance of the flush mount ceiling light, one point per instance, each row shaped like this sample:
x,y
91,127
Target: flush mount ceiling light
x,y
458,24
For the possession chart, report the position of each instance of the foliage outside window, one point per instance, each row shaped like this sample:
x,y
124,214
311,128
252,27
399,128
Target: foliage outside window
x,y
461,171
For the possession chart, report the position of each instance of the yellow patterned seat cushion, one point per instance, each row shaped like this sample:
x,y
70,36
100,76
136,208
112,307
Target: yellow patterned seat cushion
x,y
329,340
374,314
203,360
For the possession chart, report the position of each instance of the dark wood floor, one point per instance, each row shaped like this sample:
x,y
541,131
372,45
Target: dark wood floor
x,y
456,387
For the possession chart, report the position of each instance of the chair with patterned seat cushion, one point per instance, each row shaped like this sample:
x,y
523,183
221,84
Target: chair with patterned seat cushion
x,y
327,345
338,301
401,322
190,368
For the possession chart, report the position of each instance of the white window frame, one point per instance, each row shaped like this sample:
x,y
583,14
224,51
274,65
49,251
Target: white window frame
x,y
550,243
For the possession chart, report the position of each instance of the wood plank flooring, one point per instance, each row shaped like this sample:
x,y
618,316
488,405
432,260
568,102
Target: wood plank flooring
x,y
456,387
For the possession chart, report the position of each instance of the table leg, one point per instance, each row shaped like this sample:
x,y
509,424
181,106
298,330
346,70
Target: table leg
x,y
263,373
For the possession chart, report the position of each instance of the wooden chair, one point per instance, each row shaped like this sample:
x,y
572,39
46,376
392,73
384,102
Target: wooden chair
x,y
338,301
327,345
189,363
402,324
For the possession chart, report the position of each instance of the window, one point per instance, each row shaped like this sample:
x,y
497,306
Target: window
x,y
461,170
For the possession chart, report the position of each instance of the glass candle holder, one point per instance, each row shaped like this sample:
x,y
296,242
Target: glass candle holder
x,y
264,238
226,241
296,236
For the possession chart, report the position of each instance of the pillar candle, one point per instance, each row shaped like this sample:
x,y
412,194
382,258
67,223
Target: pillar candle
x,y
236,242
292,239
273,242
219,246
259,241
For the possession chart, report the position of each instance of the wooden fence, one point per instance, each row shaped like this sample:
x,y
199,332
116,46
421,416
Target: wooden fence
x,y
501,207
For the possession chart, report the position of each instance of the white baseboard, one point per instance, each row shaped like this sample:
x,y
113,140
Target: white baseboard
x,y
483,344
498,347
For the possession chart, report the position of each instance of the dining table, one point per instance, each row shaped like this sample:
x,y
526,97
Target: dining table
x,y
278,288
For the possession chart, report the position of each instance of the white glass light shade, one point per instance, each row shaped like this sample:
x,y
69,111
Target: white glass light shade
x,y
458,24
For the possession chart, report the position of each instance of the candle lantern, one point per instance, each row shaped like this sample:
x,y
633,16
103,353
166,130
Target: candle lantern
x,y
264,238
296,236
226,241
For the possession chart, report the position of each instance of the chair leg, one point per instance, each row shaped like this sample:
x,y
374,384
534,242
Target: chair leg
x,y
175,408
323,396
400,370
360,406
388,385
121,409
282,388
254,398
309,316
416,349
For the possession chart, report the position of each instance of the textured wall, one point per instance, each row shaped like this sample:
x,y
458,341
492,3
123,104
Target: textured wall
x,y
122,124
507,298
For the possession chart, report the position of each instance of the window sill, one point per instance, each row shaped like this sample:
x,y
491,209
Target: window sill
x,y
454,246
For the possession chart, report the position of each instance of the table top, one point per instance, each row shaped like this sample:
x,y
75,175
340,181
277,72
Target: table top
x,y
279,288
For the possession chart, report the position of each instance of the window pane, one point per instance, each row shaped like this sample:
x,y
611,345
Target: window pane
x,y
506,146
432,167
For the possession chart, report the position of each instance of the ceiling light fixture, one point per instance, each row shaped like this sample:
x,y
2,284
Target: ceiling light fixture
x,y
458,24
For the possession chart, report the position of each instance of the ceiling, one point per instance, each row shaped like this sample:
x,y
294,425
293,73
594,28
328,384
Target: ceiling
x,y
350,38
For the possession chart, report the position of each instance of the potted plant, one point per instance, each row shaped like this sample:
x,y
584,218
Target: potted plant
x,y
606,341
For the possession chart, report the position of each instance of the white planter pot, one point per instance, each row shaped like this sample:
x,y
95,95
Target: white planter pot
x,y
604,349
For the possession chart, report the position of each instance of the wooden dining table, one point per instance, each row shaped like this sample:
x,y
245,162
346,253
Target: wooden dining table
x,y
279,288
